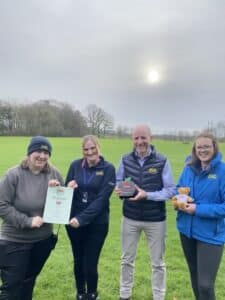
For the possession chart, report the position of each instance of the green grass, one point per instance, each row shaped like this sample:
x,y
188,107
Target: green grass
x,y
56,281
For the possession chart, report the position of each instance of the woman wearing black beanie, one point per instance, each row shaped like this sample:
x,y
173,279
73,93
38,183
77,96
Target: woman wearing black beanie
x,y
25,240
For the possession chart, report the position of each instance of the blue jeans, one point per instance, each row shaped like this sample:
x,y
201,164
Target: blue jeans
x,y
20,264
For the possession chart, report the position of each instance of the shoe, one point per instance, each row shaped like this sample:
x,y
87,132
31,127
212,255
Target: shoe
x,y
121,298
92,296
81,296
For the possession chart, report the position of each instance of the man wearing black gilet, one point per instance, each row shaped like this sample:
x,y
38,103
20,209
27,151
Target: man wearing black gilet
x,y
146,211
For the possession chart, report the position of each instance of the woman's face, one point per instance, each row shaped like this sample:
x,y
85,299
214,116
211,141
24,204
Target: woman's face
x,y
204,149
90,152
38,160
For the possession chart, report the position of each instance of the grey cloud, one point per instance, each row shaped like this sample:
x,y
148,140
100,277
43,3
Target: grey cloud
x,y
100,52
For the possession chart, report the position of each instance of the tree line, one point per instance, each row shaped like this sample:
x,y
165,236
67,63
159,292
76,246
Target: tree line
x,y
53,118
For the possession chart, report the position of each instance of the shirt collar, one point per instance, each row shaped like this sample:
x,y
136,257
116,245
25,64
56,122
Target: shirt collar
x,y
147,154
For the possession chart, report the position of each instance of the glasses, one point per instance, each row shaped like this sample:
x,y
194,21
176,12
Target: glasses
x,y
204,147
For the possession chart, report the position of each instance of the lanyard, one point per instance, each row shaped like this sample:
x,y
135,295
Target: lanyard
x,y
87,178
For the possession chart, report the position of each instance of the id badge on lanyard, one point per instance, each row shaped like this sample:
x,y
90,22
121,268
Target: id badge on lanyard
x,y
85,197
86,179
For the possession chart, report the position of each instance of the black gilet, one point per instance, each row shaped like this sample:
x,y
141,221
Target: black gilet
x,y
149,178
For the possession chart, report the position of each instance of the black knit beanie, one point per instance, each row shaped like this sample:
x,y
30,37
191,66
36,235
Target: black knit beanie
x,y
38,143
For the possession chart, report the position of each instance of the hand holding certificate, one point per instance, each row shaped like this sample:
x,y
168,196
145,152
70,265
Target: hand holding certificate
x,y
58,205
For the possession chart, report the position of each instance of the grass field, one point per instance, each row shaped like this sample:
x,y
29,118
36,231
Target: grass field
x,y
56,280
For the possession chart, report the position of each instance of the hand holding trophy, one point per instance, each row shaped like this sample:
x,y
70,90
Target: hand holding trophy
x,y
126,188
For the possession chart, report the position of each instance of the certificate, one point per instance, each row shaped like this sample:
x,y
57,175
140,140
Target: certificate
x,y
58,205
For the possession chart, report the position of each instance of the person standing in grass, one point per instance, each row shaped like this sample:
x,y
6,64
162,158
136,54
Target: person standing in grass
x,y
93,180
201,223
146,211
25,240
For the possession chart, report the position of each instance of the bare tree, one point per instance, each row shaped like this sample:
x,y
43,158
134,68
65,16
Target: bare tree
x,y
107,124
123,131
98,120
220,129
46,117
7,117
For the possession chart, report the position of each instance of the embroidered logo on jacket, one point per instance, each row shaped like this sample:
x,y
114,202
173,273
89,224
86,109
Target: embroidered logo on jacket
x,y
152,170
99,173
212,176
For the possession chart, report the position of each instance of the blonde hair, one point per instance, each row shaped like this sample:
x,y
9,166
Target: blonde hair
x,y
93,139
25,165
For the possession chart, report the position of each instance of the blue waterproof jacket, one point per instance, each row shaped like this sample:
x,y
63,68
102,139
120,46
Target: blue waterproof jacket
x,y
207,188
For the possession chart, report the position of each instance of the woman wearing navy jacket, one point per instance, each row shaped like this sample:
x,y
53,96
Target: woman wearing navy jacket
x,y
201,223
93,180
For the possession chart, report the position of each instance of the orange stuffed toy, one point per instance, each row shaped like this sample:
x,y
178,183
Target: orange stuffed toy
x,y
180,200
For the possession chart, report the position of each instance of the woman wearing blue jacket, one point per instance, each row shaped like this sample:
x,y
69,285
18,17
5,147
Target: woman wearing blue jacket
x,y
93,180
201,223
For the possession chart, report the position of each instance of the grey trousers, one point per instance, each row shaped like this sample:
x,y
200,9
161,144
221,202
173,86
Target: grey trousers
x,y
155,233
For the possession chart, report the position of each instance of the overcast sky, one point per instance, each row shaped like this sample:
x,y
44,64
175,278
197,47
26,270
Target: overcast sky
x,y
99,51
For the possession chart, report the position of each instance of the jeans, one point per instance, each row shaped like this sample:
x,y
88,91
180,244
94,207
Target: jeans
x,y
20,264
86,243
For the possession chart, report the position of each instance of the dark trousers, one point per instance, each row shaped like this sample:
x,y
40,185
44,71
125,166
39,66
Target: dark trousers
x,y
86,245
20,264
203,260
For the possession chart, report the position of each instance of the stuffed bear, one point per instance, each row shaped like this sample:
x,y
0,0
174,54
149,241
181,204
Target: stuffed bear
x,y
180,200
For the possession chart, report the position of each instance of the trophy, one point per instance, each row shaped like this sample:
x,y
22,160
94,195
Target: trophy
x,y
127,188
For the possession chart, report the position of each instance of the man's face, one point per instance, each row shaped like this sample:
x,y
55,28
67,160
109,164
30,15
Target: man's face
x,y
141,139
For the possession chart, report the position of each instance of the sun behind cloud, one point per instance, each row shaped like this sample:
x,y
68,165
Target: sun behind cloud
x,y
153,76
